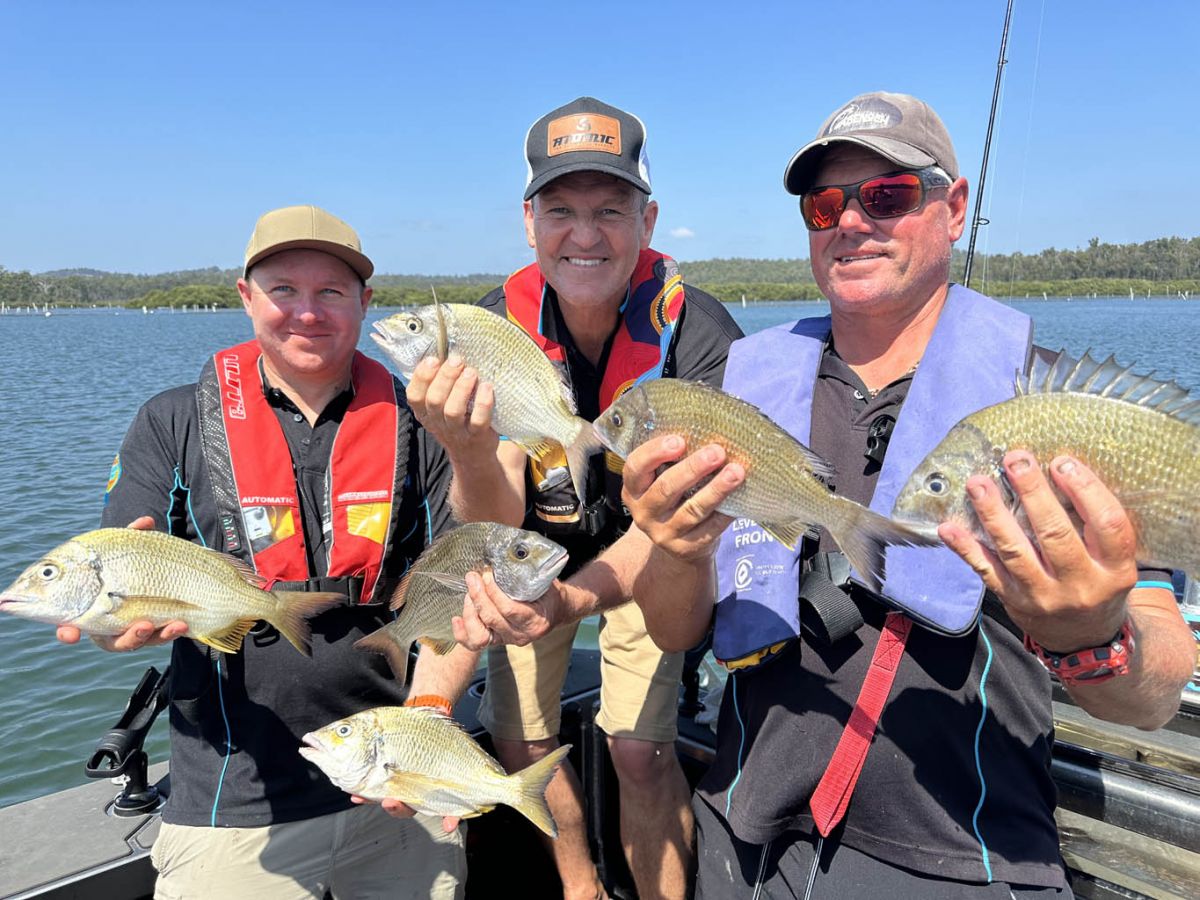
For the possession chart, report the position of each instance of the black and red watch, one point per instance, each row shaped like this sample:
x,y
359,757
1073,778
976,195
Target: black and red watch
x,y
1092,665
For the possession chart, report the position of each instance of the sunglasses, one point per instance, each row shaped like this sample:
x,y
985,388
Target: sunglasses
x,y
880,196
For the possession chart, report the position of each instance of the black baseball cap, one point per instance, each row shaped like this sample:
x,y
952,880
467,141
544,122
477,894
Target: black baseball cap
x,y
898,127
586,135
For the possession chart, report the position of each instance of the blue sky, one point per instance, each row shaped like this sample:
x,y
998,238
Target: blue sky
x,y
147,137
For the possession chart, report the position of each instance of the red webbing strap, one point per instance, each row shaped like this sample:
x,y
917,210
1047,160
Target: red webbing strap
x,y
832,796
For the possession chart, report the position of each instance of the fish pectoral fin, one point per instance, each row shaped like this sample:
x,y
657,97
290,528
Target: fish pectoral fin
x,y
455,582
146,606
243,568
413,785
229,640
400,592
441,648
787,533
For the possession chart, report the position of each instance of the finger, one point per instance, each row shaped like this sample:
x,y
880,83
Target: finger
x,y
418,385
354,798
975,555
449,824
1060,545
1108,532
134,637
506,619
701,506
443,383
642,464
1012,547
485,402
68,634
476,635
142,523
458,400
398,809
671,487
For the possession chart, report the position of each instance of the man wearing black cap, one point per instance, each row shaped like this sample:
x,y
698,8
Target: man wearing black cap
x,y
613,311
860,754
296,454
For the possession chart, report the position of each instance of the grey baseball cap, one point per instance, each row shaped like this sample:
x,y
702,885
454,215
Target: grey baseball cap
x,y
586,135
898,127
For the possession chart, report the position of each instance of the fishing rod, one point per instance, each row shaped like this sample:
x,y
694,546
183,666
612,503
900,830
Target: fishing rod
x,y
977,219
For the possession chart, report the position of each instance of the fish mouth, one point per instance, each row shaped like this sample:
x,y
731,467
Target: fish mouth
x,y
312,748
555,564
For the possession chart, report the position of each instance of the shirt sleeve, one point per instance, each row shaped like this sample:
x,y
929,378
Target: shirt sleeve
x,y
701,345
143,473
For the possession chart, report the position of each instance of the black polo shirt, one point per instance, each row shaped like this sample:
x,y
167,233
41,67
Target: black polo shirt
x,y
237,719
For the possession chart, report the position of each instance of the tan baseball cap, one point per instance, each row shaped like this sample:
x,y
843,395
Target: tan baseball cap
x,y
306,228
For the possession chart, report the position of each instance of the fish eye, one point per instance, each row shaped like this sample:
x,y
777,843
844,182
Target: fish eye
x,y
615,418
937,484
344,731
413,325
521,551
49,572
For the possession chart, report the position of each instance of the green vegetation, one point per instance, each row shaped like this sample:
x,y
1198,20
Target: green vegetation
x,y
1162,267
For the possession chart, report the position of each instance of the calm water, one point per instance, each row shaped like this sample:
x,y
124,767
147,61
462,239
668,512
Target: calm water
x,y
74,382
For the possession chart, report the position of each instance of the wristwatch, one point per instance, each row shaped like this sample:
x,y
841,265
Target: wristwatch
x,y
1092,665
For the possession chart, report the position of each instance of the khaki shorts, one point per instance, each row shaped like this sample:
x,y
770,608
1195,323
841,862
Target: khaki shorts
x,y
357,853
639,687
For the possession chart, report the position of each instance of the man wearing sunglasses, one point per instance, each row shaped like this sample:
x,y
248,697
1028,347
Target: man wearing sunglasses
x,y
859,753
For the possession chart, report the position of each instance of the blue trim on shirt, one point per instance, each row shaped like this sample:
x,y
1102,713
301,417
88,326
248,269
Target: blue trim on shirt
x,y
987,862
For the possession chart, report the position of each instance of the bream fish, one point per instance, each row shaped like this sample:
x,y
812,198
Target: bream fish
x,y
103,581
782,492
534,406
432,591
424,758
1140,436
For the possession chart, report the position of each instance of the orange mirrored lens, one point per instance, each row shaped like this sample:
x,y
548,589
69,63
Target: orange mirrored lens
x,y
822,209
895,195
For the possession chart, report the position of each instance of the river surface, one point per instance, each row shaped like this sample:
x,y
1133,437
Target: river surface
x,y
73,383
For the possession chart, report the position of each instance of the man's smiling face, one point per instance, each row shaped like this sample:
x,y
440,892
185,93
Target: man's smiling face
x,y
587,229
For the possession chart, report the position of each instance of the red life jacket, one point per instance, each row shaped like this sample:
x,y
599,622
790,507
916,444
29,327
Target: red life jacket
x,y
647,320
362,475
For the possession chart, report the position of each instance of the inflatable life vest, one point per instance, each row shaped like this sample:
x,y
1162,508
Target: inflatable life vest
x,y
255,488
977,348
639,352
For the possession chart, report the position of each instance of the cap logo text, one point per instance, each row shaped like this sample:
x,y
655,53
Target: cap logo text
x,y
584,132
870,115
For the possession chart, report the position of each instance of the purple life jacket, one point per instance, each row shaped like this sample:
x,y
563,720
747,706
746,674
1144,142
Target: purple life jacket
x,y
976,350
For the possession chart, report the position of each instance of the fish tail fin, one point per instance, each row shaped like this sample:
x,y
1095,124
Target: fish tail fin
x,y
396,651
292,611
580,451
531,785
864,538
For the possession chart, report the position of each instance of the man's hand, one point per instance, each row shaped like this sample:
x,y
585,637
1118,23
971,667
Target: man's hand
x,y
490,617
440,395
686,527
401,810
139,634
1067,592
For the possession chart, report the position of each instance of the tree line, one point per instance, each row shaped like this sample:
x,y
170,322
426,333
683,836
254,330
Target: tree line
x,y
1167,266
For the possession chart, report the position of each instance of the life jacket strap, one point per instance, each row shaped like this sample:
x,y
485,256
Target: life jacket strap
x,y
832,796
827,611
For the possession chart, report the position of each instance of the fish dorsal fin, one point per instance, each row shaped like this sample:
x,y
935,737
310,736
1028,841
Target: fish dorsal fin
x,y
243,568
1110,379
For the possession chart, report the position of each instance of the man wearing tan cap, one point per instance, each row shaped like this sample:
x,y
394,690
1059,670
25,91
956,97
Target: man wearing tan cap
x,y
296,454
900,747
612,311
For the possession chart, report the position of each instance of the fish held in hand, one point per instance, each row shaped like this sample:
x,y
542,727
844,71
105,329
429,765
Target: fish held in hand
x,y
431,593
534,405
1140,436
783,491
103,581
425,759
